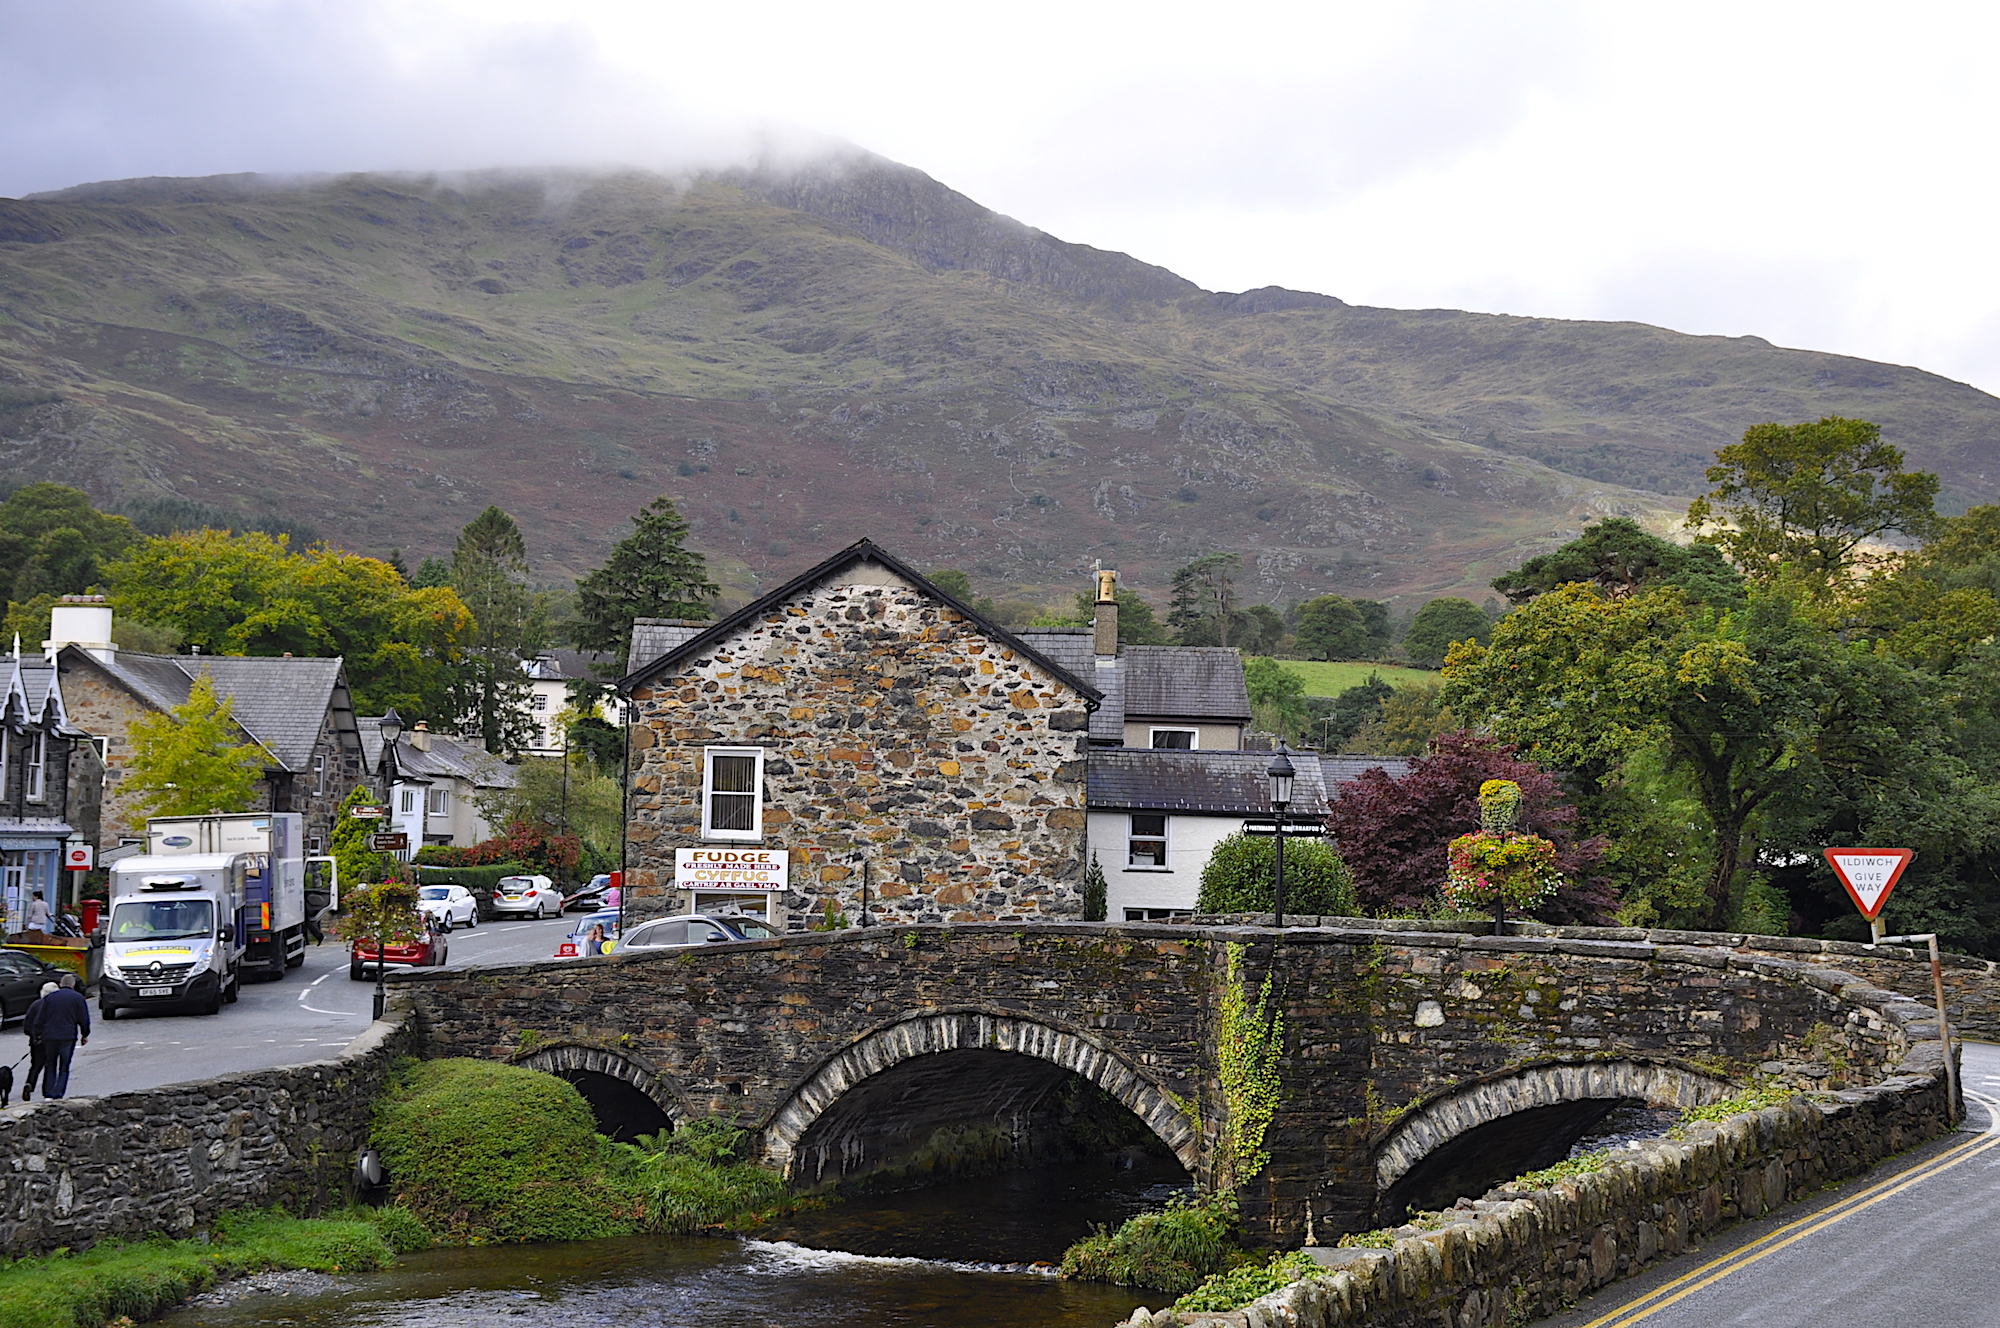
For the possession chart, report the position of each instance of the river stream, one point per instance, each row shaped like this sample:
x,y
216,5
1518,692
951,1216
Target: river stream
x,y
958,1254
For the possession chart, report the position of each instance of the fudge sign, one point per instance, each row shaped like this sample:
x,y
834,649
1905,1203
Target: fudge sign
x,y
730,868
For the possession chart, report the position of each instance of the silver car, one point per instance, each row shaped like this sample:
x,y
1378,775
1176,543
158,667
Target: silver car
x,y
693,929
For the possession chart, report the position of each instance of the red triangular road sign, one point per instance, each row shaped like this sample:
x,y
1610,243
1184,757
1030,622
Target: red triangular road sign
x,y
1869,874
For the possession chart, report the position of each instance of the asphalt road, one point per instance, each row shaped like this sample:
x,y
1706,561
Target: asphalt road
x,y
312,1014
1904,1245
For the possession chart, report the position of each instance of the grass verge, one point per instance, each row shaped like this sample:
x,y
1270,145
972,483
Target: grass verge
x,y
139,1279
1174,1251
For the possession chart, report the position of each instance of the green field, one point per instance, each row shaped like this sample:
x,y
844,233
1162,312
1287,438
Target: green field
x,y
1331,679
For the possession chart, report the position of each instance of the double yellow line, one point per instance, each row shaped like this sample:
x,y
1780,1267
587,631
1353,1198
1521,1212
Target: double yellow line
x,y
1792,1232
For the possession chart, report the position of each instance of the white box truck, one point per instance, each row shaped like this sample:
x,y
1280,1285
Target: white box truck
x,y
274,884
175,936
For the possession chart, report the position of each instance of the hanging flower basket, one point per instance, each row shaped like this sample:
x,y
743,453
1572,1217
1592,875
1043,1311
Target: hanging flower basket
x,y
1495,865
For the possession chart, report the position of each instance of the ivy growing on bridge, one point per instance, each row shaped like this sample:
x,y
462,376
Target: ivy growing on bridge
x,y
1249,1041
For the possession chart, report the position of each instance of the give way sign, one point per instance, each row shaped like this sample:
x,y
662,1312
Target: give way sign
x,y
1869,874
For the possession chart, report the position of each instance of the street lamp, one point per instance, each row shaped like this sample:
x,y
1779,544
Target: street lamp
x,y
1282,774
392,729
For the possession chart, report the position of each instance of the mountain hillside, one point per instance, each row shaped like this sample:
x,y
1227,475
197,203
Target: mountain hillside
x,y
809,356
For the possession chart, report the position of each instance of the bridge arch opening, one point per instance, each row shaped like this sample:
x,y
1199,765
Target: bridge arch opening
x,y
1463,1142
627,1099
960,1094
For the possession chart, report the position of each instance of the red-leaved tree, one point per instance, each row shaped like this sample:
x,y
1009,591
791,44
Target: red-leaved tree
x,y
1392,833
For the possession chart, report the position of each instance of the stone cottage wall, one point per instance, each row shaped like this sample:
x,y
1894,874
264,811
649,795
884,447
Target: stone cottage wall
x,y
895,729
107,711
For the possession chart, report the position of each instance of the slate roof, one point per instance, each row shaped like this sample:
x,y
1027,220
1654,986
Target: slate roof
x,y
279,701
1185,682
448,758
31,686
654,637
1217,783
858,552
1342,768
1150,682
563,665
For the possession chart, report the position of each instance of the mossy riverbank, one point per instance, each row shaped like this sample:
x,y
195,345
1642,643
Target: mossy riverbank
x,y
476,1154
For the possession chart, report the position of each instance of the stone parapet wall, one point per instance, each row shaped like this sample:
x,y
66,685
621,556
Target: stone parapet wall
x,y
1971,985
169,1160
1513,1257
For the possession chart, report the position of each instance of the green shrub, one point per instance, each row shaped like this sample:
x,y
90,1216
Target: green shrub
x,y
1239,874
1095,889
482,1151
692,1179
1171,1251
1239,1286
141,1279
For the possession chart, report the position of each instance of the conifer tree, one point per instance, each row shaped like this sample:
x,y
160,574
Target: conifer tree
x,y
489,570
651,573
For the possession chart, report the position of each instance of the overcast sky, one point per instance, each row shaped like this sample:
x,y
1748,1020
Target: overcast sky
x,y
1819,174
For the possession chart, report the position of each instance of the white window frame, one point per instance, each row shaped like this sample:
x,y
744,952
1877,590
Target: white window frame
x,y
709,830
37,788
319,773
539,701
1165,838
6,760
437,802
1153,737
406,800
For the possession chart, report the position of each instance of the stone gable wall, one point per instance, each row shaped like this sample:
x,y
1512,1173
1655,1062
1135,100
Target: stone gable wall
x,y
107,711
893,728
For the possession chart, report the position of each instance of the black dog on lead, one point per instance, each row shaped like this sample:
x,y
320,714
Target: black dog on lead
x,y
6,1084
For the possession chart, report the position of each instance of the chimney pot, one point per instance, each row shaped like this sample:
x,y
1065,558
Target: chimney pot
x,y
1104,640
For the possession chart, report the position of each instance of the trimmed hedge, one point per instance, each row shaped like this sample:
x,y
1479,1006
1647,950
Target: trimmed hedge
x,y
479,880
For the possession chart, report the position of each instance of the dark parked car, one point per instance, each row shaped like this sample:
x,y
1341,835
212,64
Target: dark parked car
x,y
589,898
21,979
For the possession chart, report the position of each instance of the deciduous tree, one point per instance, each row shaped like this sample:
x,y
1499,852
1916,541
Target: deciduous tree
x,y
1331,627
1438,624
193,759
1620,558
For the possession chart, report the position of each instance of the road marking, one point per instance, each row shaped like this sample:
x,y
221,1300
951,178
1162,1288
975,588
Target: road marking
x,y
1792,1232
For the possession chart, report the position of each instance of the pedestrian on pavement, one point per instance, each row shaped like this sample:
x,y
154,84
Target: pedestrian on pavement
x,y
38,914
38,1061
61,1022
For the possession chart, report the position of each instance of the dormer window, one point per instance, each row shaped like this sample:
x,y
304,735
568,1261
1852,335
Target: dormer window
x,y
1176,739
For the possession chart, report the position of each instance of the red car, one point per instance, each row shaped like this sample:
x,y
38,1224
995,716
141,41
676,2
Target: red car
x,y
428,951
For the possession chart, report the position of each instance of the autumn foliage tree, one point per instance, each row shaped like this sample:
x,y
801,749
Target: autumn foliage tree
x,y
1393,833
193,760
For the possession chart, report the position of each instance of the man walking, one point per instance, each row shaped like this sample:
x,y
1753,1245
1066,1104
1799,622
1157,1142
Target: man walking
x,y
38,1057
62,1021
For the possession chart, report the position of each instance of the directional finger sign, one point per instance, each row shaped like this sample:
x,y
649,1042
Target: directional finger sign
x,y
1869,874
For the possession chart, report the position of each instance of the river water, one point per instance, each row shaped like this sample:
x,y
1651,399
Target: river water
x,y
957,1254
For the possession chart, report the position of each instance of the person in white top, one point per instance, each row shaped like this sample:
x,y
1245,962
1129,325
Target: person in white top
x,y
38,913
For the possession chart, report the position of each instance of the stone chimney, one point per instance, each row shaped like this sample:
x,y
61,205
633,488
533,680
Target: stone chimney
x,y
83,621
1105,639
420,737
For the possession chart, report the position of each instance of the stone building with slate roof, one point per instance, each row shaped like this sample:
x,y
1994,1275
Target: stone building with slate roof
x,y
296,710
51,781
913,761
440,780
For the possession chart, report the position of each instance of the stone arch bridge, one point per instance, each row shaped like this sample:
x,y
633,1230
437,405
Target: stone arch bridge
x,y
1414,1066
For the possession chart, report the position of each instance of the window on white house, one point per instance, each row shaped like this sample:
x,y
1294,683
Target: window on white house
x,y
539,701
409,801
38,767
440,802
1148,843
732,792
1176,740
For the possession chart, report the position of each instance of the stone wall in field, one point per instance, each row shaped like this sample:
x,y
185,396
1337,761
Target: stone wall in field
x,y
168,1160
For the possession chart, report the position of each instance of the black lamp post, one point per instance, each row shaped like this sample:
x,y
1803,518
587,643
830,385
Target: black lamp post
x,y
392,729
1281,774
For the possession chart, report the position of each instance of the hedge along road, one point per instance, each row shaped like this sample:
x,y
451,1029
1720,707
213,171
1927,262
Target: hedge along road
x,y
314,1013
1907,1243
